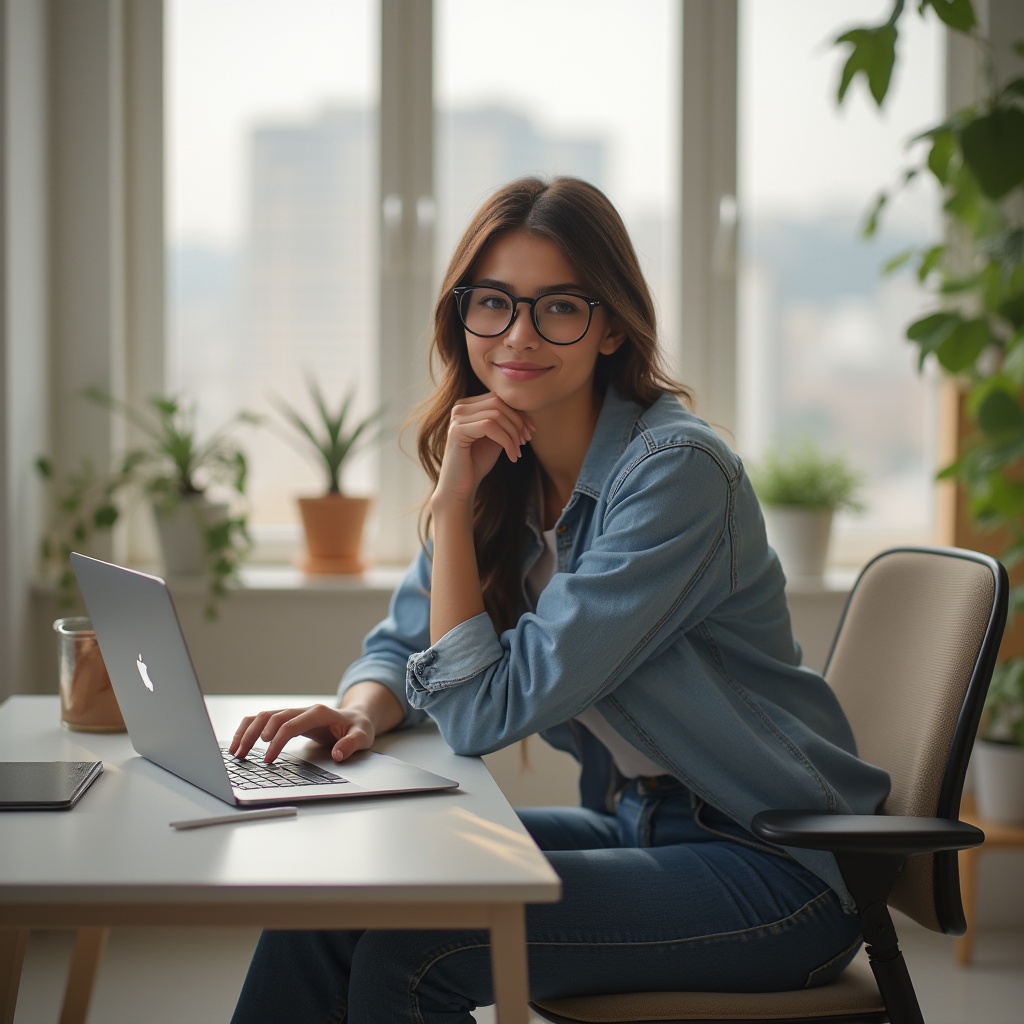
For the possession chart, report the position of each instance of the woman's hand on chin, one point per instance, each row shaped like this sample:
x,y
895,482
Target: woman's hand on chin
x,y
480,429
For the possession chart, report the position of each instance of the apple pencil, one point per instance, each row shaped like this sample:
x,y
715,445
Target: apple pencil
x,y
227,819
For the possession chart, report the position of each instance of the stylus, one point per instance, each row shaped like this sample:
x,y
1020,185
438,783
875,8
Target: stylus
x,y
227,819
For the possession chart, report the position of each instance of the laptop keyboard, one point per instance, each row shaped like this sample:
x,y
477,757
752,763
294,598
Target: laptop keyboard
x,y
285,771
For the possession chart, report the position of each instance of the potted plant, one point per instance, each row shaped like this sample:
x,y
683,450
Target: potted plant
x,y
332,521
975,332
999,753
174,469
800,489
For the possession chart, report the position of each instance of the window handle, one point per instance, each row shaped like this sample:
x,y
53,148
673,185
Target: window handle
x,y
723,251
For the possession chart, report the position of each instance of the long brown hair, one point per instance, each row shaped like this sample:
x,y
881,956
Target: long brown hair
x,y
580,220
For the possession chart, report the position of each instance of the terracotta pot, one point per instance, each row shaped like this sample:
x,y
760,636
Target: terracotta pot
x,y
334,533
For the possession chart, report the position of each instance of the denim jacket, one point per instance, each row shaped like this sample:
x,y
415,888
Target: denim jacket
x,y
668,612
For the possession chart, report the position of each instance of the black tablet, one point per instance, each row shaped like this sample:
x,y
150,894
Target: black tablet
x,y
45,785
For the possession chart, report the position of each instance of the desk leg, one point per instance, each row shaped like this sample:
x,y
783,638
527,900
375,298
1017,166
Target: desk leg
x,y
85,962
508,964
12,956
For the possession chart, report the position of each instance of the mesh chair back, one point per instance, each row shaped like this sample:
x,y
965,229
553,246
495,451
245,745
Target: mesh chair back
x,y
911,664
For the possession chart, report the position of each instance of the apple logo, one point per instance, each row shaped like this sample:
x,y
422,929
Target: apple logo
x,y
144,672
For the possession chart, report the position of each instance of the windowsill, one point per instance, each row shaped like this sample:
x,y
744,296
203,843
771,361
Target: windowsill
x,y
269,578
275,579
835,581
285,579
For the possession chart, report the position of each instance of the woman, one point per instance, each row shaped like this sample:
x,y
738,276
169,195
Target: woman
x,y
596,571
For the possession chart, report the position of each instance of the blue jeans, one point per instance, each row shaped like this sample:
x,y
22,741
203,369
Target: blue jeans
x,y
659,895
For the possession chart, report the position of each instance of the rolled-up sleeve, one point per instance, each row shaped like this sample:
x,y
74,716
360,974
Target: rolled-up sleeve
x,y
461,654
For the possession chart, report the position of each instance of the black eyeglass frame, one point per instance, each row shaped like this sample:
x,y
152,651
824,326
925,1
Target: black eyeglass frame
x,y
464,289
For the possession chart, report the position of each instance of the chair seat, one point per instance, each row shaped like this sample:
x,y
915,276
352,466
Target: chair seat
x,y
853,996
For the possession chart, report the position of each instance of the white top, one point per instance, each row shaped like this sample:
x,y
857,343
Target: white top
x,y
631,762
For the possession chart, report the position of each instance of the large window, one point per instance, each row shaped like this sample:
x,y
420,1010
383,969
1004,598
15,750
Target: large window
x,y
821,348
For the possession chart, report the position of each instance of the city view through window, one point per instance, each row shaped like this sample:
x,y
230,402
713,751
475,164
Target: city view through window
x,y
822,353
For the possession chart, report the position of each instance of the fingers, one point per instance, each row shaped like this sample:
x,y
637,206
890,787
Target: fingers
x,y
487,416
286,725
357,738
246,735
275,728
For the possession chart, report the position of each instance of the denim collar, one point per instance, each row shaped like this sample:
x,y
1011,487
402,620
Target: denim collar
x,y
613,432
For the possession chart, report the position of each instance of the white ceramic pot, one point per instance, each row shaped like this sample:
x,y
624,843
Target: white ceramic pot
x,y
800,538
998,772
182,531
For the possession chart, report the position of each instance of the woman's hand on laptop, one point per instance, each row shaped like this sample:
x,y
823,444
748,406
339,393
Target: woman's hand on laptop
x,y
367,710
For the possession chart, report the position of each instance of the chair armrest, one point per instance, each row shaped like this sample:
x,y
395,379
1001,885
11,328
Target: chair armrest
x,y
887,834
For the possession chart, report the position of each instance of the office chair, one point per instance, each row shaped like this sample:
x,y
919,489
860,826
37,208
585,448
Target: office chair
x,y
911,663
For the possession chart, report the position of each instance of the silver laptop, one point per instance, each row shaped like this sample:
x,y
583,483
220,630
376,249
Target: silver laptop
x,y
162,703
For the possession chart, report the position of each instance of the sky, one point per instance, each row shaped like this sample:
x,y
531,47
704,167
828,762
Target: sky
x,y
578,67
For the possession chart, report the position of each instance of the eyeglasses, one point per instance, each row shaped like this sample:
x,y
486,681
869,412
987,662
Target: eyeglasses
x,y
559,317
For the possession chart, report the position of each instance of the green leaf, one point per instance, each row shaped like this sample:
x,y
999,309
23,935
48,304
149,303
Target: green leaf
x,y
105,517
1000,413
1005,247
874,215
931,331
993,147
1013,364
962,346
929,326
897,261
965,199
873,54
929,261
941,154
957,14
1003,501
1013,89
959,285
44,467
1007,296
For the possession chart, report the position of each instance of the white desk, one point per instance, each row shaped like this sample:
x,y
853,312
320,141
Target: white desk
x,y
453,859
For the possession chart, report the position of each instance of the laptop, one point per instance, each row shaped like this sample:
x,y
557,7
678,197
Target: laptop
x,y
162,702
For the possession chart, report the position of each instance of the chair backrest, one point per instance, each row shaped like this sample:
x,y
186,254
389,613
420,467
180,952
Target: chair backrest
x,y
911,664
